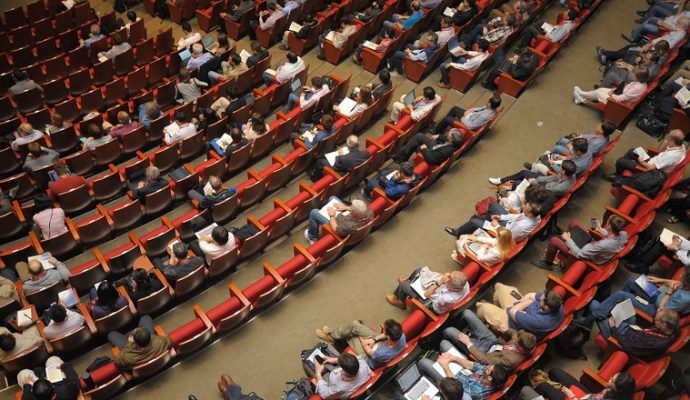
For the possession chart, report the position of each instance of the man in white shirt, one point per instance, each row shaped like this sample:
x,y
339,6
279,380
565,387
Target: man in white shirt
x,y
420,107
62,322
553,33
310,95
520,225
285,72
179,130
440,296
671,154
464,61
215,245
447,31
353,372
190,37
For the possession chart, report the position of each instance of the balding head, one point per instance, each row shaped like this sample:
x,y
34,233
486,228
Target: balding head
x,y
457,279
123,117
152,173
359,209
666,320
25,129
676,136
352,142
95,29
35,267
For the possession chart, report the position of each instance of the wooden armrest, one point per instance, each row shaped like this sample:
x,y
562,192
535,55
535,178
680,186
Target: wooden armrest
x,y
652,151
299,249
133,237
336,77
164,280
278,203
269,270
330,171
201,314
421,307
378,192
254,221
113,168
87,318
214,155
235,291
189,168
20,293
124,294
35,242
560,282
304,187
458,124
327,228
195,203
167,222
278,159
282,116
595,234
473,257
18,210
635,192
159,330
643,315
620,214
140,155
299,142
375,143
594,379
341,116
105,214
592,265
115,350
101,259
253,174
394,128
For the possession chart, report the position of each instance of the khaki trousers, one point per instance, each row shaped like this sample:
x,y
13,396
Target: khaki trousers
x,y
351,333
495,314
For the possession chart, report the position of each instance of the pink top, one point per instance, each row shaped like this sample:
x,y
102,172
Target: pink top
x,y
51,222
631,92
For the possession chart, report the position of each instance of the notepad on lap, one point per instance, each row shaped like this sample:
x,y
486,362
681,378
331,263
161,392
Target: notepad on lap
x,y
330,157
271,72
347,104
448,12
308,136
417,286
24,317
330,35
666,237
295,27
370,45
488,226
225,140
645,284
456,51
640,151
546,27
67,298
43,259
206,231
324,210
623,311
455,368
244,55
54,374
683,97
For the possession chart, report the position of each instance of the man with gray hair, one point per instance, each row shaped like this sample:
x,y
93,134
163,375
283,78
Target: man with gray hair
x,y
435,148
152,183
346,160
441,291
199,58
343,219
25,134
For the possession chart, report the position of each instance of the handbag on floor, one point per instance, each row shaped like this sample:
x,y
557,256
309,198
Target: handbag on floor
x,y
302,389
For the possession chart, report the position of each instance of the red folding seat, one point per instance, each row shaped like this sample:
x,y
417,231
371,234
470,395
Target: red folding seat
x,y
165,158
191,147
157,71
93,229
266,290
39,119
156,241
133,141
91,101
255,243
103,72
75,200
7,110
9,161
144,52
37,11
85,275
13,224
12,255
80,163
6,79
26,187
165,94
56,68
35,72
137,32
136,82
61,246
225,210
107,380
190,337
21,36
28,101
15,17
120,259
232,312
78,59
27,359
115,92
107,153
298,269
44,297
69,109
124,62
158,202
55,92
23,57
156,300
164,42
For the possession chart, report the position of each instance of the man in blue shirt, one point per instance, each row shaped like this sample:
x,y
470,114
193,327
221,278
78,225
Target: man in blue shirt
x,y
94,35
539,313
580,156
394,183
478,380
378,349
405,22
312,134
596,142
199,58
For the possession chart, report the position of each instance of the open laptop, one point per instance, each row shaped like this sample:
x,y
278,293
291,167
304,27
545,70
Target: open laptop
x,y
209,42
296,85
414,385
185,55
409,98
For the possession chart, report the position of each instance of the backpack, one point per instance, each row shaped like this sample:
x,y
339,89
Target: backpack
x,y
570,342
301,390
651,125
648,183
482,206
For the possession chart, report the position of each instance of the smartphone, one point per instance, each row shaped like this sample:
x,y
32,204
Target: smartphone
x,y
594,223
318,359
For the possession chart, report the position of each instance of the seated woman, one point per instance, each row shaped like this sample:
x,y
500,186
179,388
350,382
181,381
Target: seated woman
x,y
255,127
140,284
49,221
620,387
105,300
363,99
488,250
96,136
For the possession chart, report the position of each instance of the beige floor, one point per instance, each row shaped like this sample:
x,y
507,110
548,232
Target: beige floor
x,y
264,353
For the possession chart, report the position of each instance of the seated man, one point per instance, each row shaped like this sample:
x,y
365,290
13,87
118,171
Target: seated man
x,y
538,313
179,130
235,12
39,157
435,149
293,65
671,153
464,60
420,107
140,346
199,57
376,348
520,66
215,193
154,182
124,125
493,31
310,94
599,251
405,21
94,36
229,70
339,36
421,53
23,82
441,291
40,277
180,263
313,134
15,343
394,183
632,91
344,219
35,385
62,322
342,382
636,341
463,13
257,52
552,33
25,134
188,89
377,90
652,25
507,347
472,118
596,142
189,36
347,159
119,47
220,241
520,225
622,72
552,162
479,383
308,23
267,19
382,41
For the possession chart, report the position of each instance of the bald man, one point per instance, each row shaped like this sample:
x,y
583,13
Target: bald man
x,y
25,134
40,277
671,154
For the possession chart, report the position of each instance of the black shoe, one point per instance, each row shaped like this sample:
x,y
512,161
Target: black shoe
x,y
542,264
641,13
585,322
595,86
320,57
609,177
624,36
488,85
191,397
450,231
528,166
602,56
639,20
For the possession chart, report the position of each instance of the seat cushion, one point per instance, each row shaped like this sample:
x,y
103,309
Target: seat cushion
x,y
187,331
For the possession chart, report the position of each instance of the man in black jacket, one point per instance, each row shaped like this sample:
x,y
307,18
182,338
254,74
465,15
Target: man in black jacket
x,y
519,67
215,193
258,53
180,263
435,149
344,163
35,386
153,183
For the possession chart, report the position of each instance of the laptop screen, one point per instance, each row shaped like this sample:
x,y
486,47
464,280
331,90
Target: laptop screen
x,y
207,41
185,55
408,378
295,85
409,98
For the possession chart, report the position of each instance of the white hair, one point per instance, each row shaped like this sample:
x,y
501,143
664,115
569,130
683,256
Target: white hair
x,y
197,48
359,208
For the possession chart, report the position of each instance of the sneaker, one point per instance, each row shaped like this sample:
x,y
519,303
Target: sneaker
x,y
283,47
306,236
450,231
392,300
641,13
576,95
528,166
609,177
454,257
495,181
542,264
324,335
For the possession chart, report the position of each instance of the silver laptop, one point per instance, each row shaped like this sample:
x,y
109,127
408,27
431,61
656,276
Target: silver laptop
x,y
409,98
209,42
296,85
414,385
185,55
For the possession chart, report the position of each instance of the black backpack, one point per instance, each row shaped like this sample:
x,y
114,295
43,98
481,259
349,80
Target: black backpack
x,y
300,390
648,183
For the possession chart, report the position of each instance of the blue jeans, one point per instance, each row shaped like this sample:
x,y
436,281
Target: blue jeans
x,y
602,311
292,98
395,62
480,335
213,76
426,366
445,76
660,10
561,147
647,27
315,222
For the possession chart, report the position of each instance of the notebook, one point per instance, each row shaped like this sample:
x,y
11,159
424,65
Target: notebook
x,y
330,35
579,236
295,27
67,298
645,284
448,12
208,41
666,237
409,98
185,55
206,231
370,45
330,157
324,210
640,151
244,55
24,317
208,190
623,311
417,286
225,140
296,85
54,373
546,27
683,97
347,104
